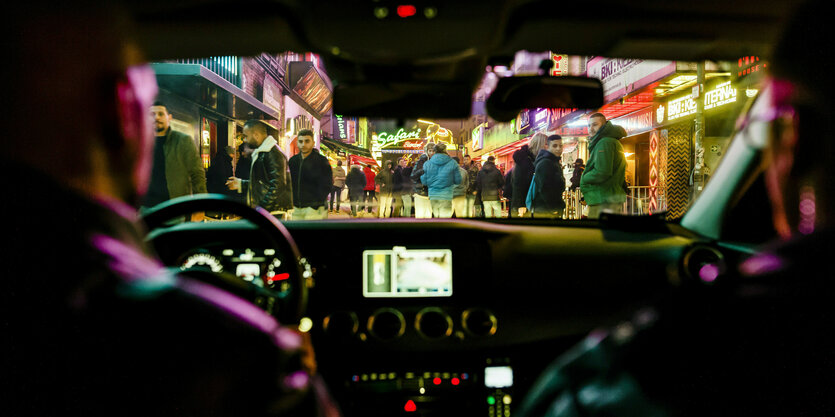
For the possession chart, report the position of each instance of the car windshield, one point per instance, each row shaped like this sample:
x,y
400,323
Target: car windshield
x,y
651,148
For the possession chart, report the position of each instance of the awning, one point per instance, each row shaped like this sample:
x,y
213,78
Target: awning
x,y
190,80
349,149
356,159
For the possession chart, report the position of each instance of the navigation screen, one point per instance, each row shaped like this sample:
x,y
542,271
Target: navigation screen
x,y
401,272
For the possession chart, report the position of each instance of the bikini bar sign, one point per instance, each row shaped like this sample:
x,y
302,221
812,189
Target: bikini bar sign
x,y
719,96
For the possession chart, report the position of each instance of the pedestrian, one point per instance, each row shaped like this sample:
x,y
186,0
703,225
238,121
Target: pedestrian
x,y
338,186
423,209
355,180
489,183
269,184
312,179
605,173
403,187
243,166
523,168
370,187
472,168
507,191
177,169
548,181
459,193
579,166
220,170
441,175
384,181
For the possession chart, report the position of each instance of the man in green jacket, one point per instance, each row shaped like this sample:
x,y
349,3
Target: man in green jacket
x,y
177,170
602,181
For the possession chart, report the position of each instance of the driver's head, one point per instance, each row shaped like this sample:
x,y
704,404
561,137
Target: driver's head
x,y
92,88
800,171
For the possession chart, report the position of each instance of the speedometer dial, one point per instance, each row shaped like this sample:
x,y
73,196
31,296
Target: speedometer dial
x,y
202,260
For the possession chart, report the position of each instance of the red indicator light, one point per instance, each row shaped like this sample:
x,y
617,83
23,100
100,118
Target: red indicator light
x,y
410,406
406,11
436,381
281,277
455,381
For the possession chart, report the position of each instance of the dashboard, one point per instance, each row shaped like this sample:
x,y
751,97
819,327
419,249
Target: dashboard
x,y
442,317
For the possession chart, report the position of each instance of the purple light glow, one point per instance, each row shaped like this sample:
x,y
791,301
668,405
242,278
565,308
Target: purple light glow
x,y
762,264
297,380
709,273
130,262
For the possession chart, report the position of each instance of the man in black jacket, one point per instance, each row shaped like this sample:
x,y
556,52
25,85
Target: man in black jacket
x,y
312,180
550,182
489,183
268,184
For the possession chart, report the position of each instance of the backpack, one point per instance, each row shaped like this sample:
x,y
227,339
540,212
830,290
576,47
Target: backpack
x,y
531,194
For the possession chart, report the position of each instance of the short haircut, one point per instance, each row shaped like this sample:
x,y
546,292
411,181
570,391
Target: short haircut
x,y
554,137
339,162
491,158
598,115
256,125
305,132
160,104
457,159
428,146
440,147
537,142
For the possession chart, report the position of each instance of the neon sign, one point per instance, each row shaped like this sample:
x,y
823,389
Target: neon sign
x,y
653,172
681,107
387,139
340,123
722,94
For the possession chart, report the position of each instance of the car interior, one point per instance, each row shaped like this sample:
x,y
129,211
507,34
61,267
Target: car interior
x,y
460,316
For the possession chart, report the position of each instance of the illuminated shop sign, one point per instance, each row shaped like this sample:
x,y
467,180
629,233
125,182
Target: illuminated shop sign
x,y
750,64
638,122
387,139
340,125
560,66
723,94
478,137
413,144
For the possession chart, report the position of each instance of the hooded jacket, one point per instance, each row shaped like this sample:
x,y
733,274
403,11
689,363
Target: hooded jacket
x,y
602,180
460,189
489,181
312,179
440,174
550,184
355,180
522,174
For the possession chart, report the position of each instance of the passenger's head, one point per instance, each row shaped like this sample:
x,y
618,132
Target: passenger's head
x,y
596,121
255,132
440,147
802,147
537,142
555,144
306,141
94,88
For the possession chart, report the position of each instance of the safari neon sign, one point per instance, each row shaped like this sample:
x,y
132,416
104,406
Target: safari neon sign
x,y
387,139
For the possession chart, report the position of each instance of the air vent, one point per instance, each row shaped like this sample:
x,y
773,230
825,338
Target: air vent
x,y
703,264
386,324
479,322
433,323
341,324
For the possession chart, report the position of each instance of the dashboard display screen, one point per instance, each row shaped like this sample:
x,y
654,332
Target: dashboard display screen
x,y
401,272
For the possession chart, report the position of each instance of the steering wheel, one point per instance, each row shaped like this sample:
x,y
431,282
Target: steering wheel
x,y
295,301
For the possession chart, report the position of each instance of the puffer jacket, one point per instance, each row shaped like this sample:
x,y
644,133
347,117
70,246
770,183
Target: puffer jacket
x,y
550,184
461,189
489,182
355,180
602,180
440,174
269,184
522,174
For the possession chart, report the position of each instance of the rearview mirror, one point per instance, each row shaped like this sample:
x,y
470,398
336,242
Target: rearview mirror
x,y
514,94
